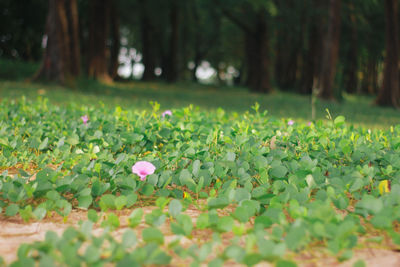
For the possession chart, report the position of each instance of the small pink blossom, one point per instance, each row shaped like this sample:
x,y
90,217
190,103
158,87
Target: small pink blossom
x,y
290,122
142,169
85,119
309,123
167,112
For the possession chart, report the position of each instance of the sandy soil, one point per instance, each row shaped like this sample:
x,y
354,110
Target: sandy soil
x,y
14,232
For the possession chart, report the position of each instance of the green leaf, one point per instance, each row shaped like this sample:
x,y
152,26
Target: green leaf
x,y
148,189
12,210
357,185
107,202
225,224
92,216
202,221
185,177
131,200
285,263
264,221
135,218
120,202
242,194
359,263
230,156
278,172
196,167
241,214
85,201
175,207
295,238
39,213
92,254
339,121
217,262
112,220
218,203
129,239
152,234
44,143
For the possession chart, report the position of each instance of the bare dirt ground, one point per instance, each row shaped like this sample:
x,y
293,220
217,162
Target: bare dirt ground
x,y
14,232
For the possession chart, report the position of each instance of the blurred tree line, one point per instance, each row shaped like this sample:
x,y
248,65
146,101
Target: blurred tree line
x,y
325,47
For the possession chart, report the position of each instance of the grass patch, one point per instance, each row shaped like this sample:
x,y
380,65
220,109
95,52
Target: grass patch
x,y
358,110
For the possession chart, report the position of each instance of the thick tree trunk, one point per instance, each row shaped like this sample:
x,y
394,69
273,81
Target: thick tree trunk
x,y
257,56
98,32
351,66
330,51
172,68
312,55
115,40
148,47
73,31
56,61
389,94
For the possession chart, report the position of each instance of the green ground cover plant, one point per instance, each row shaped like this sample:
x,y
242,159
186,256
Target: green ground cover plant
x,y
278,186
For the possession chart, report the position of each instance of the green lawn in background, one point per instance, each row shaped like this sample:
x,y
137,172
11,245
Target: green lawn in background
x,y
358,110
136,95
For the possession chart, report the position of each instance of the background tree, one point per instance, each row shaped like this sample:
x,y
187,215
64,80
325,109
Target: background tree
x,y
98,33
390,92
56,63
22,26
330,51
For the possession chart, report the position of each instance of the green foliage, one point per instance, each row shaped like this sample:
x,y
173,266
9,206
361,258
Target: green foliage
x,y
293,193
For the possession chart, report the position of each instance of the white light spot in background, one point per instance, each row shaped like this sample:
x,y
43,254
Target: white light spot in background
x,y
191,65
44,41
205,72
138,69
157,71
124,41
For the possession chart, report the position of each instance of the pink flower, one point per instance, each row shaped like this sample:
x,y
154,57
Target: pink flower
x,y
290,122
142,169
85,119
309,123
167,112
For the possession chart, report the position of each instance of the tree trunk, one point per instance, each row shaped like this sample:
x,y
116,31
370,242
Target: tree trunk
x,y
312,55
73,31
98,32
369,84
147,32
351,66
56,61
257,56
172,68
389,94
115,40
330,51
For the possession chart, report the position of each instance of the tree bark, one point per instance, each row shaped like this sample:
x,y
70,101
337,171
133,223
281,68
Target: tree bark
x,y
351,80
73,31
369,85
148,48
98,32
56,61
312,55
115,40
257,56
330,51
389,94
172,68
